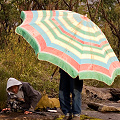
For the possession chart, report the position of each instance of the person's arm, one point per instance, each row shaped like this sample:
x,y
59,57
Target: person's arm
x,y
33,95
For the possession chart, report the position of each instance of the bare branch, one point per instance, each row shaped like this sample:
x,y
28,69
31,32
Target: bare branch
x,y
66,3
89,10
76,3
113,31
110,23
97,9
39,5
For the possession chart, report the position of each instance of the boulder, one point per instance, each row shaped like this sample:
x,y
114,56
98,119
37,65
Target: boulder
x,y
112,94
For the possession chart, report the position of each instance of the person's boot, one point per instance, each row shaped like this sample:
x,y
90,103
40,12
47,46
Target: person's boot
x,y
67,117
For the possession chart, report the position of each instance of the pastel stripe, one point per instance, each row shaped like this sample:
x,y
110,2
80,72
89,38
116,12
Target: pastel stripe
x,y
72,42
84,56
83,61
56,41
77,36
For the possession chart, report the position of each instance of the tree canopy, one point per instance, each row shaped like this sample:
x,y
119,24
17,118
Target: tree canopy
x,y
17,58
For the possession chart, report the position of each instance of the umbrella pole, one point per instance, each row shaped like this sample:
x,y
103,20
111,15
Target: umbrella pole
x,y
54,72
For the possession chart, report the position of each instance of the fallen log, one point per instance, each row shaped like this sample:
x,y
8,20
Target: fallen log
x,y
103,108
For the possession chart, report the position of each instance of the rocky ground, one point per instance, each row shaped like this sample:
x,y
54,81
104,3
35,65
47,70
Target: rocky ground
x,y
101,115
93,108
86,111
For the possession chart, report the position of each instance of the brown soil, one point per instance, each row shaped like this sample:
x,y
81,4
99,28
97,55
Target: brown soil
x,y
85,111
96,114
52,116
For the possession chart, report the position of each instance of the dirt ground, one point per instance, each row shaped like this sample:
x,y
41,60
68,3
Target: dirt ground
x,y
104,116
52,116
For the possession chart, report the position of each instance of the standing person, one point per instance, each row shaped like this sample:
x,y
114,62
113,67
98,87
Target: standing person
x,y
70,85
24,92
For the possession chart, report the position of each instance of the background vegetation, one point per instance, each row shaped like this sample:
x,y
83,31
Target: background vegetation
x,y
17,58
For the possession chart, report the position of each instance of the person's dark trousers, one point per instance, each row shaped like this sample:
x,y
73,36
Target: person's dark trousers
x,y
70,85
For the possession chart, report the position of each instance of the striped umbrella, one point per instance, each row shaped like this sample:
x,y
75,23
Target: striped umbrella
x,y
72,42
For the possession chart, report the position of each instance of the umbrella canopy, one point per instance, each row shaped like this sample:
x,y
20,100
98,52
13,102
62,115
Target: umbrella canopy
x,y
72,42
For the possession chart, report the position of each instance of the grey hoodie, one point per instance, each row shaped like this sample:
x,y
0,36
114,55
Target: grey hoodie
x,y
26,92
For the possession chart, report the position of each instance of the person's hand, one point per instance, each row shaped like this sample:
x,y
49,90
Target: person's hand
x,y
27,112
5,109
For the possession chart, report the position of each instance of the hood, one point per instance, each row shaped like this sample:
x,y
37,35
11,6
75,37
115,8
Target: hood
x,y
11,82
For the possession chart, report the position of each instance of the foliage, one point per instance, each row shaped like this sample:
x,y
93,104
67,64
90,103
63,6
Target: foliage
x,y
20,60
2,94
82,117
105,14
17,58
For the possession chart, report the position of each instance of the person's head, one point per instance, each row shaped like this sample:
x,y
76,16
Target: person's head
x,y
14,89
13,85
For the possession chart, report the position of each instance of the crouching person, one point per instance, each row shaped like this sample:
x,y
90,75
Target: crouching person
x,y
23,93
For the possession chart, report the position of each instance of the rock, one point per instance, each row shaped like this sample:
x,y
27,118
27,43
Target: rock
x,y
108,109
115,92
98,93
112,94
103,108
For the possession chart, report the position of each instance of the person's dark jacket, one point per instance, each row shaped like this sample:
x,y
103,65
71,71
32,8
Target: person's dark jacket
x,y
27,92
31,96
